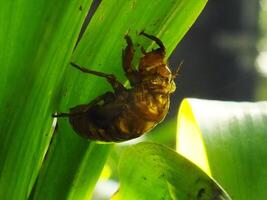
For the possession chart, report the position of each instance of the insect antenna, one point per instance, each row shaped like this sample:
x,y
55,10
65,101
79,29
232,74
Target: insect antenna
x,y
176,72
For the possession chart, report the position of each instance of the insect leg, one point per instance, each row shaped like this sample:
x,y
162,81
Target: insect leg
x,y
127,57
117,86
61,115
155,39
80,109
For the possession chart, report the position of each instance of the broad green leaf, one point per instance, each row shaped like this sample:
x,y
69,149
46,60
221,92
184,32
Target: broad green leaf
x,y
228,140
152,171
164,133
36,39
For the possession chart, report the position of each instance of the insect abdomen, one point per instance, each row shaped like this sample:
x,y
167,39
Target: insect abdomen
x,y
124,126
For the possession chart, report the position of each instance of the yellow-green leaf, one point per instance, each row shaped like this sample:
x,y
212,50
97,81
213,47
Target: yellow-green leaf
x,y
37,39
152,171
228,141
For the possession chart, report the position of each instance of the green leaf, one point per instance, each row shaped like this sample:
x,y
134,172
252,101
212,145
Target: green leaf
x,y
36,39
164,133
228,139
100,49
152,171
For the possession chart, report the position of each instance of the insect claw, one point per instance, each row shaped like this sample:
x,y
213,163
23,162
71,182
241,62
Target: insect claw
x,y
143,50
141,32
128,31
56,115
155,39
128,40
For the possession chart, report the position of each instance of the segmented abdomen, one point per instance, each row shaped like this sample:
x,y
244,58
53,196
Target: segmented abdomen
x,y
120,120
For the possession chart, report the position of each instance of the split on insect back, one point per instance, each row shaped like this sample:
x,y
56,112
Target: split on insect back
x,y
127,113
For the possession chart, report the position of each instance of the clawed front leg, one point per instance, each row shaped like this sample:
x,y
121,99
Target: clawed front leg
x,y
127,57
155,39
117,86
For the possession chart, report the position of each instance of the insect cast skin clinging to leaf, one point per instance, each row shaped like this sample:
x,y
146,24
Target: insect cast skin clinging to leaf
x,y
127,113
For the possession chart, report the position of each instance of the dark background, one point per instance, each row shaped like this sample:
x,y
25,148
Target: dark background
x,y
219,53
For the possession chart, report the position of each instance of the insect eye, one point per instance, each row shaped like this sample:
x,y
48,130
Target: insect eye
x,y
173,87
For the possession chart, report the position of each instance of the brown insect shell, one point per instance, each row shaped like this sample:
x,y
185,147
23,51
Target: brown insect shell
x,y
140,108
156,73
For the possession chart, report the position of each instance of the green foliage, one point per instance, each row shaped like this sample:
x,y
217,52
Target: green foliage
x,y
226,139
152,171
37,40
234,137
